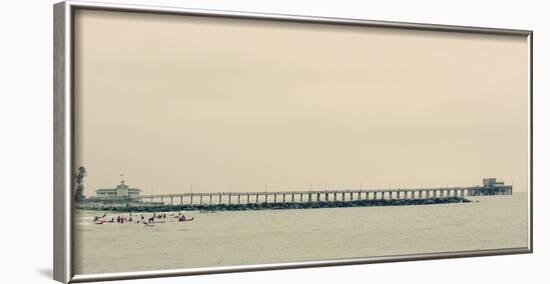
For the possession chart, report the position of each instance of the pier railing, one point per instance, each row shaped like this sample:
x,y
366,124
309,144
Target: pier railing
x,y
307,196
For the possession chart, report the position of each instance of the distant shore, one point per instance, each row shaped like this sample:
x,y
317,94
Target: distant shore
x,y
133,207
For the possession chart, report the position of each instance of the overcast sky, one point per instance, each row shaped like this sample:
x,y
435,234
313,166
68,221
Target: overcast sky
x,y
172,101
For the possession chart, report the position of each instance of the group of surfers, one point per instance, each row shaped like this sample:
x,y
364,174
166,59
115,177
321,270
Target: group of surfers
x,y
154,219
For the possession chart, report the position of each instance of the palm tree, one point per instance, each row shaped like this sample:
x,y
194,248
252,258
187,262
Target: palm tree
x,y
79,178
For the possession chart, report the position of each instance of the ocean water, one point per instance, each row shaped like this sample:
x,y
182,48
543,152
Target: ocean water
x,y
276,236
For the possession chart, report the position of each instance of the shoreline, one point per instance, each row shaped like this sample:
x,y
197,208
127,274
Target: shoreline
x,y
270,205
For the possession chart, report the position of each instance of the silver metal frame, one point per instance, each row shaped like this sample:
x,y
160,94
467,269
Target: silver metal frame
x,y
64,14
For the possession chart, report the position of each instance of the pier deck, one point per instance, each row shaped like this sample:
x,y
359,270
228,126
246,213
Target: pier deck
x,y
307,196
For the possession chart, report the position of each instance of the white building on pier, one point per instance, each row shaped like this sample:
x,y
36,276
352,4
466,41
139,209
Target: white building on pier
x,y
121,190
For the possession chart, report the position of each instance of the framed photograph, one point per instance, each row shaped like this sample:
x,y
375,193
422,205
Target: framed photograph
x,y
199,141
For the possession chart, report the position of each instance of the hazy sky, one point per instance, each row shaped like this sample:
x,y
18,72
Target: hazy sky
x,y
174,100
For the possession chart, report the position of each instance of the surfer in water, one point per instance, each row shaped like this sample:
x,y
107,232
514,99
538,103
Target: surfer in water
x,y
182,218
97,217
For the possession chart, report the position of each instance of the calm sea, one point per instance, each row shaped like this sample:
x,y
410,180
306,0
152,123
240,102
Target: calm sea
x,y
274,236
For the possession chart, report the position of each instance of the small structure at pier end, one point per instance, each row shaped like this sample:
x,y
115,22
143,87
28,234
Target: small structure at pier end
x,y
491,186
120,191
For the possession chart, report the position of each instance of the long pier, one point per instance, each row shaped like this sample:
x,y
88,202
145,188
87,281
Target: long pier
x,y
205,198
